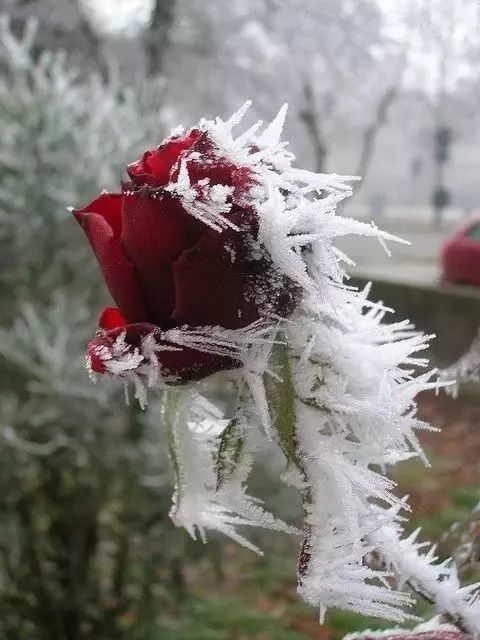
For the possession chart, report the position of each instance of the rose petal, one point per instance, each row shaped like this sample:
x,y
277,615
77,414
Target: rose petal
x,y
155,231
117,270
111,318
182,365
101,351
218,282
205,163
214,283
95,362
191,364
107,205
138,171
155,166
161,161
221,172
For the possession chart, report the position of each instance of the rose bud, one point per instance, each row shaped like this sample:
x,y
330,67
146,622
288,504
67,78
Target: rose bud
x,y
178,250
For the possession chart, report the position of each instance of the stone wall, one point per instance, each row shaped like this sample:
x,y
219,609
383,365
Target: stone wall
x,y
451,313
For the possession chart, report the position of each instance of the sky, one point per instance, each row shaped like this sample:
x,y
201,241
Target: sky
x,y
114,15
119,14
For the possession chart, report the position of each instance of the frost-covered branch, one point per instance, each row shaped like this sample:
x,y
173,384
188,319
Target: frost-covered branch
x,y
465,369
157,35
324,376
436,581
435,629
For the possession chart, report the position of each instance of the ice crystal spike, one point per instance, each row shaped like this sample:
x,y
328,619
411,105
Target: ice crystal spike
x,y
271,136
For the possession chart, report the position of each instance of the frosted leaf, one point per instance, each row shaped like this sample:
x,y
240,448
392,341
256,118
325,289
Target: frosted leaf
x,y
200,502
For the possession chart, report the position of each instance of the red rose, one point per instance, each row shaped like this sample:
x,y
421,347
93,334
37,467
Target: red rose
x,y
177,249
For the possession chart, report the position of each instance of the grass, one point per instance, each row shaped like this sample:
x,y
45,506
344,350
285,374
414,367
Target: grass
x,y
223,618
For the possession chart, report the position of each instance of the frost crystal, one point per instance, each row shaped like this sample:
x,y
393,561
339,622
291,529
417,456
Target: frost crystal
x,y
202,201
333,386
465,369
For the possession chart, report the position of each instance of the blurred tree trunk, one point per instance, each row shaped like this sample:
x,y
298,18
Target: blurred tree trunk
x,y
440,197
370,134
92,40
309,116
157,36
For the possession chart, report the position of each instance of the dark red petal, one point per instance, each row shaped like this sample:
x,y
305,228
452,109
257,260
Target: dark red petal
x,y
190,364
111,318
218,169
138,171
155,231
105,339
214,284
182,365
95,362
117,270
242,180
155,166
162,159
109,207
218,282
136,331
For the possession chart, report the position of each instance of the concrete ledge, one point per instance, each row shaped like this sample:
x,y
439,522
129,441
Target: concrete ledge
x,y
452,313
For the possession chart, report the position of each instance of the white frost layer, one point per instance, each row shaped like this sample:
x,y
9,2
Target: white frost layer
x,y
434,629
198,504
438,581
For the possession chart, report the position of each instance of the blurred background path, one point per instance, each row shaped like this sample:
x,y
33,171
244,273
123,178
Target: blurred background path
x,y
416,263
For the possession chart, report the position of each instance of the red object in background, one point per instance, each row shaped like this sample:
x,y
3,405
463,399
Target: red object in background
x,y
461,256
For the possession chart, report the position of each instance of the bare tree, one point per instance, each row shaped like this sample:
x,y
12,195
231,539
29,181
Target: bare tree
x,y
447,39
333,46
370,134
310,117
157,35
91,38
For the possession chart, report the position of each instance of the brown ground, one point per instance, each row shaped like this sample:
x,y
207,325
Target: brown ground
x,y
454,451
